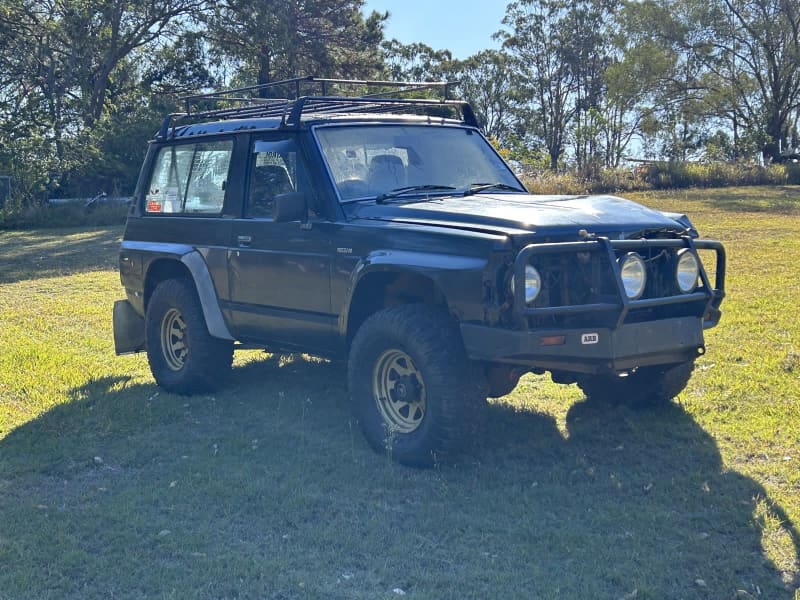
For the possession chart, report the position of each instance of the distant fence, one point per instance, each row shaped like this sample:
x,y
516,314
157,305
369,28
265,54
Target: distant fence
x,y
100,199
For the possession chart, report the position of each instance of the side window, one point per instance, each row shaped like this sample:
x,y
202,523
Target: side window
x,y
190,178
275,168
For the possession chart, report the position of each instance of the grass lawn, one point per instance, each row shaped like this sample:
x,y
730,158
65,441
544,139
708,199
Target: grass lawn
x,y
110,487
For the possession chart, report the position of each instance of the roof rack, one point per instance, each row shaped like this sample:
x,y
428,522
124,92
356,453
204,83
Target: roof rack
x,y
260,101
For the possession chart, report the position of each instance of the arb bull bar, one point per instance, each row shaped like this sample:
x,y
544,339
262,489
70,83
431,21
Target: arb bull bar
x,y
711,296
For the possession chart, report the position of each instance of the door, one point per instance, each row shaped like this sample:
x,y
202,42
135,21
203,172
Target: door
x,y
279,273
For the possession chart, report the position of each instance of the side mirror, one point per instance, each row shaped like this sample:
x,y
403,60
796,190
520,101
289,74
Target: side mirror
x,y
291,206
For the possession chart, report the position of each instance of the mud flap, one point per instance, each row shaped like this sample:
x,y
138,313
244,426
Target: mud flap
x,y
128,329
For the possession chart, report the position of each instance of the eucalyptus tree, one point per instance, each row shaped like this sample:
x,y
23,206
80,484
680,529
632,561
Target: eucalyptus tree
x,y
537,42
487,81
754,58
415,62
588,26
662,62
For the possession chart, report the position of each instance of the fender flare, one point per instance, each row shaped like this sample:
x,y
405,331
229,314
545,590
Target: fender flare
x,y
207,293
425,264
195,263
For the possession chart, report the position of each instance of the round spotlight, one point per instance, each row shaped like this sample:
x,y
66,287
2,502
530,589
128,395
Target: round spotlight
x,y
634,275
533,284
687,270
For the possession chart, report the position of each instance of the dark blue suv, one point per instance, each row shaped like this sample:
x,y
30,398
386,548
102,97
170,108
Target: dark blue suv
x,y
383,228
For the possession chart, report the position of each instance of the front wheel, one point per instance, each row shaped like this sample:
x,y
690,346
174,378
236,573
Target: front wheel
x,y
414,392
184,358
647,386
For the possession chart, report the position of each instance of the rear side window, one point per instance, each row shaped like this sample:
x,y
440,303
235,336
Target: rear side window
x,y
190,178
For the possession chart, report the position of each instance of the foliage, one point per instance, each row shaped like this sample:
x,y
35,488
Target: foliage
x,y
68,70
280,39
753,60
71,214
486,81
540,43
576,85
661,175
416,62
666,175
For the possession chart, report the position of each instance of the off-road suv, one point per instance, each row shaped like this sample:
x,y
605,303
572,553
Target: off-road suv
x,y
384,228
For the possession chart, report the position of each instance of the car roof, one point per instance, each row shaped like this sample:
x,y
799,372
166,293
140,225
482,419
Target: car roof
x,y
272,124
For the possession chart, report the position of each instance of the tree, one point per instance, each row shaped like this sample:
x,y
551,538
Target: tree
x,y
416,62
754,56
271,40
662,62
587,24
536,42
65,66
487,82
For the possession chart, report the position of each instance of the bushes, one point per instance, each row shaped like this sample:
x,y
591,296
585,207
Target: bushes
x,y
72,214
664,175
549,182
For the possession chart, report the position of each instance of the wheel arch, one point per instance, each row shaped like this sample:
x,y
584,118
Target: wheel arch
x,y
385,286
190,266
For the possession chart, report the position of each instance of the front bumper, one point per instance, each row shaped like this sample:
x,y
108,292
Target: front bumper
x,y
704,302
587,350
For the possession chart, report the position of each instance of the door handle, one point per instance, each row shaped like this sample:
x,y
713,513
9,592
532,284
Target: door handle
x,y
244,240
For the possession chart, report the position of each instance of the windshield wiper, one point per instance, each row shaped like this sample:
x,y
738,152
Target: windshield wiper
x,y
477,188
412,188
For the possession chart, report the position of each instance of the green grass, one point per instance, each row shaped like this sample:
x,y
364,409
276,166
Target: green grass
x,y
110,487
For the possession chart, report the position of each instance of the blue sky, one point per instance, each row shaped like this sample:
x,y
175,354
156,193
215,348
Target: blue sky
x,y
462,27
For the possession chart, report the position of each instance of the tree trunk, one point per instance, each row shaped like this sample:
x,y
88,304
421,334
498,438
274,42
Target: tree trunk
x,y
264,66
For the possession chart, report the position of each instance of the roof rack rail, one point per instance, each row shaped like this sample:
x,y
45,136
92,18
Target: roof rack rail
x,y
290,99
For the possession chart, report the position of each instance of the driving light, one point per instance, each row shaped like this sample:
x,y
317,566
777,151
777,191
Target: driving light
x,y
687,270
634,275
533,284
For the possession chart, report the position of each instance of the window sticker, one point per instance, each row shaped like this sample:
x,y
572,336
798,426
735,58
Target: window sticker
x,y
171,202
154,201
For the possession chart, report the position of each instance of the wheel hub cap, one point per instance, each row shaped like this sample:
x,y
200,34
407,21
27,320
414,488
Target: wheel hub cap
x,y
173,339
399,391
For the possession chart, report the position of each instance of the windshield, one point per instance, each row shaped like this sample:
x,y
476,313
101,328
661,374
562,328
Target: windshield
x,y
367,161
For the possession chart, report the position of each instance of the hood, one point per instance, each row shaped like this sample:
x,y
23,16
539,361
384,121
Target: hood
x,y
519,214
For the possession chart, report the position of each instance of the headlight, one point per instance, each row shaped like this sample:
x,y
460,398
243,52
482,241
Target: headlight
x,y
687,270
533,284
634,275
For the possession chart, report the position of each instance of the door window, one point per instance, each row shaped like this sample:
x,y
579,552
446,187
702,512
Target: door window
x,y
275,168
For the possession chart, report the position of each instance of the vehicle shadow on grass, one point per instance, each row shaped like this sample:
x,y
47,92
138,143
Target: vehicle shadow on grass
x,y
267,490
42,253
644,493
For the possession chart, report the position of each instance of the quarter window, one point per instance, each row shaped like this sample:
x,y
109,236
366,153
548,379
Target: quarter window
x,y
190,178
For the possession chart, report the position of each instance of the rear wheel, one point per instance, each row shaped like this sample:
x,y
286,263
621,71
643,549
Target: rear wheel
x,y
184,358
414,392
647,386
